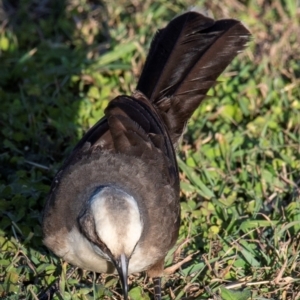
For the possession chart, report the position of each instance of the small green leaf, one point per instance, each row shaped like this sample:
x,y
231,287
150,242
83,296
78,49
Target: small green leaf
x,y
137,293
234,295
4,43
202,189
115,54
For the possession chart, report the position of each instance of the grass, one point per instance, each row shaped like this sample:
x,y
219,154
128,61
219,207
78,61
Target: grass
x,y
62,61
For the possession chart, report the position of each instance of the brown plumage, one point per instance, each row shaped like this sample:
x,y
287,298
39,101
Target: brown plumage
x,y
114,204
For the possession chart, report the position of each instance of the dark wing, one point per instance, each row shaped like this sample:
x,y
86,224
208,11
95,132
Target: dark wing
x,y
136,128
131,126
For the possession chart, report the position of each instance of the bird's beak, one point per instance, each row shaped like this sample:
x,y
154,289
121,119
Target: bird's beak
x,y
121,265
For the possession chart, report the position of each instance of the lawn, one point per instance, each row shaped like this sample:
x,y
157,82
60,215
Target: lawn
x,y
61,62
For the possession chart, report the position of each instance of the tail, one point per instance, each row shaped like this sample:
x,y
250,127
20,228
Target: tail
x,y
183,63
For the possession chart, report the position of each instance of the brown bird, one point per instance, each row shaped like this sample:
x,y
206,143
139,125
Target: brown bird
x,y
114,205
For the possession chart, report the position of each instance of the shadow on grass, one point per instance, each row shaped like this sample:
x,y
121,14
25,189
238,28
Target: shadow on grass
x,y
43,47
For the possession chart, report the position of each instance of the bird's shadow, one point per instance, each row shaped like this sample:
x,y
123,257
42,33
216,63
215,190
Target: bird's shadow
x,y
41,90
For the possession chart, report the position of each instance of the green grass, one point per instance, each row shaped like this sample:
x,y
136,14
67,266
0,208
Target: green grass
x,y
61,62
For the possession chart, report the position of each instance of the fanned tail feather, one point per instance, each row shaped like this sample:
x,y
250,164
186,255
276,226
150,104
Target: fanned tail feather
x,y
184,61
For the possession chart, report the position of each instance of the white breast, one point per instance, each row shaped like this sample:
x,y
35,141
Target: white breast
x,y
78,251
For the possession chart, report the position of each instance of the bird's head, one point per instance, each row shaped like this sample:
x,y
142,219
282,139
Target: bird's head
x,y
111,221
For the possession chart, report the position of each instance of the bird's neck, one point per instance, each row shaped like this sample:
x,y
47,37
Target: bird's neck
x,y
117,218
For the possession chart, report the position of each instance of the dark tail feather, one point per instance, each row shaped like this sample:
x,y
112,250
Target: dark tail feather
x,y
184,61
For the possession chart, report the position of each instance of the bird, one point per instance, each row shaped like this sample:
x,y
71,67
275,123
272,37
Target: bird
x,y
114,205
